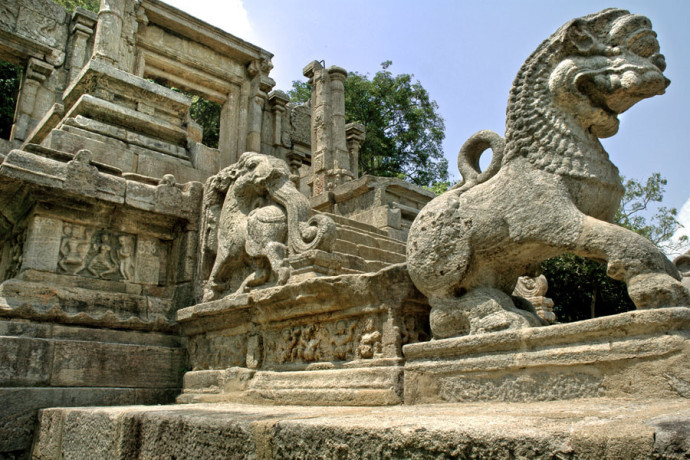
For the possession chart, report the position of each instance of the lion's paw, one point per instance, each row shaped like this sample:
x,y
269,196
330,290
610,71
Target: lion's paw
x,y
656,290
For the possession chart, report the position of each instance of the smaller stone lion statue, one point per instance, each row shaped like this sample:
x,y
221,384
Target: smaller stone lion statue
x,y
253,219
550,187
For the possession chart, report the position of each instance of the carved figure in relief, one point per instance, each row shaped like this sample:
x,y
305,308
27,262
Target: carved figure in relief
x,y
342,338
289,338
15,255
411,333
74,248
102,264
308,344
263,219
126,255
550,187
369,341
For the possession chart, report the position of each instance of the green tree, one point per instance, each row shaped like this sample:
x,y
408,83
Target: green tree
x,y
207,114
580,287
10,75
404,131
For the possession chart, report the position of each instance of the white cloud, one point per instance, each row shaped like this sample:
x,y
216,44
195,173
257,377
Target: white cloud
x,y
228,15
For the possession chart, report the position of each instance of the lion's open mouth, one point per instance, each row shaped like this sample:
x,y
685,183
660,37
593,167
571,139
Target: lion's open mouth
x,y
618,89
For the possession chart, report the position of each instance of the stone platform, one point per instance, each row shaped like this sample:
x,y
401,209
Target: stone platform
x,y
639,354
582,429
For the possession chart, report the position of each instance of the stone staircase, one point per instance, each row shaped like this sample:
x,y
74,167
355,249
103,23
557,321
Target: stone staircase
x,y
365,248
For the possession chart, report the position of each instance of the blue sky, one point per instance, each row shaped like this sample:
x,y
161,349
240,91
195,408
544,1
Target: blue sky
x,y
466,55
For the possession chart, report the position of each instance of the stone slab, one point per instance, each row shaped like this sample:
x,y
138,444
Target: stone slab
x,y
639,354
584,429
19,405
363,386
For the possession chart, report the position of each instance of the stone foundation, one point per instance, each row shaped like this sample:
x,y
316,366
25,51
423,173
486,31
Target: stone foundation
x,y
591,429
321,340
640,354
47,365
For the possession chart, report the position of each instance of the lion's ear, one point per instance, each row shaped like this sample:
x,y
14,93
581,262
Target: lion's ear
x,y
577,39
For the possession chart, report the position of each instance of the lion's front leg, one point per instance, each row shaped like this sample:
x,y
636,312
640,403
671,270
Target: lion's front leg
x,y
652,280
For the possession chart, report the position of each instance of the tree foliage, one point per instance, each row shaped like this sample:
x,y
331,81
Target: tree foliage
x,y
10,75
580,287
404,131
207,114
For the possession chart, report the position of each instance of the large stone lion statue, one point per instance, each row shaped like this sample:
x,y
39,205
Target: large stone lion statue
x,y
253,219
550,187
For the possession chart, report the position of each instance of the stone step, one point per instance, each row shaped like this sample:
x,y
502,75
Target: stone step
x,y
363,239
551,429
368,252
353,264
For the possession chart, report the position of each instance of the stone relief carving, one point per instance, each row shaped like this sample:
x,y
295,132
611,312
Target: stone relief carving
x,y
412,331
682,262
300,123
125,254
8,15
73,249
342,339
99,253
370,345
103,263
14,255
550,187
308,344
257,218
533,289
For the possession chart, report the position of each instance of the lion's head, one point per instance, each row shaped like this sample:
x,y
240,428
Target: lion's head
x,y
611,62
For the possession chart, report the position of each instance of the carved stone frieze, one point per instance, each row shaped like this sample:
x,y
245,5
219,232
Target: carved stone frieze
x,y
369,341
11,256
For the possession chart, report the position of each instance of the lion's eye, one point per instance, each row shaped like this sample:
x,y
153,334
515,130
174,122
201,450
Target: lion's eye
x,y
643,44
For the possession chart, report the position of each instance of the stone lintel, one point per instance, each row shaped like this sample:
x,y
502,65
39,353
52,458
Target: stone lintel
x,y
164,15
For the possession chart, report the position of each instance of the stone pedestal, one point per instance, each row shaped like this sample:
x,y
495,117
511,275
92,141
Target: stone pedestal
x,y
93,266
640,354
321,340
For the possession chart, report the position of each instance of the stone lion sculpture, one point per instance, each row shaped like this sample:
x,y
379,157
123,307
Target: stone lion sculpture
x,y
550,187
253,219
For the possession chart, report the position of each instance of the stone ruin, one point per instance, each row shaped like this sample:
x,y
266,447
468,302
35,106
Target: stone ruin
x,y
139,266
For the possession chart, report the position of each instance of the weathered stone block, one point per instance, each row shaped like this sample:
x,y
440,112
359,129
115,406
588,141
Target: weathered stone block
x,y
42,246
115,365
25,361
631,355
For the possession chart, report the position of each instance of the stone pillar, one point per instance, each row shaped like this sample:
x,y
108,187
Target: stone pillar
x,y
106,45
330,156
278,101
320,140
82,29
260,86
341,156
229,126
31,106
355,135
